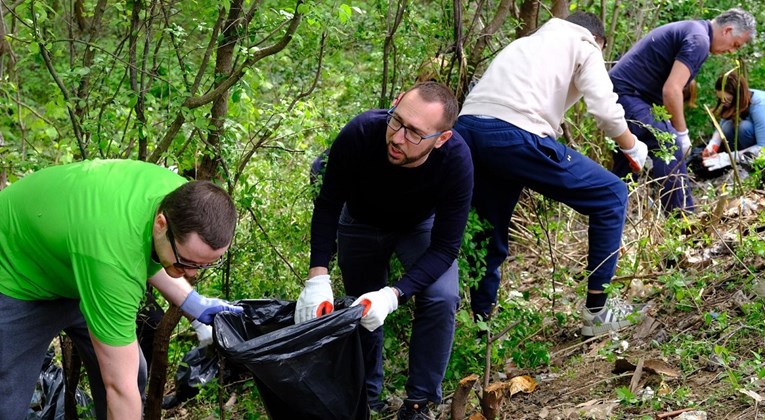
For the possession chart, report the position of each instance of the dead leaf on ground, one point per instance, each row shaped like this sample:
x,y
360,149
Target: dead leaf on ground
x,y
646,328
523,383
755,396
601,411
653,365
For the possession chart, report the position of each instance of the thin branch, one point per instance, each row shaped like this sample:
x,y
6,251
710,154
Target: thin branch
x,y
65,93
246,158
197,101
272,245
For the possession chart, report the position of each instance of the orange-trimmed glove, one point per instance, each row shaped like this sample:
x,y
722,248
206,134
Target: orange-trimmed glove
x,y
315,300
713,147
377,306
636,155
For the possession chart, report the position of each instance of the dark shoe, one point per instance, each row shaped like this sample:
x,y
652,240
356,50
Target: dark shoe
x,y
380,407
414,410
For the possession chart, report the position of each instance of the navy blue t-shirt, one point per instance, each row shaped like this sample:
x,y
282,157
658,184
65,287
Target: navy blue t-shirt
x,y
644,69
392,197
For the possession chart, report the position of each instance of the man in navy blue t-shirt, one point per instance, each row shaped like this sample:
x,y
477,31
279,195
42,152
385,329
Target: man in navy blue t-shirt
x,y
397,181
655,71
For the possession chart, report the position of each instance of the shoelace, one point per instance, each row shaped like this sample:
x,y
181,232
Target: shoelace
x,y
621,307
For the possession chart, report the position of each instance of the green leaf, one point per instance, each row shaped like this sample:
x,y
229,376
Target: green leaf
x,y
132,101
344,13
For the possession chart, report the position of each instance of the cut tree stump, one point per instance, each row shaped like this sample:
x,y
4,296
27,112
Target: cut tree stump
x,y
491,402
461,394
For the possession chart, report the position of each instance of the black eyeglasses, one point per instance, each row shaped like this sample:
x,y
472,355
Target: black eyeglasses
x,y
410,134
180,262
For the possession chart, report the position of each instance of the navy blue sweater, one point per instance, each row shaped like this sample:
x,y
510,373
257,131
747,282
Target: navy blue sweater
x,y
391,197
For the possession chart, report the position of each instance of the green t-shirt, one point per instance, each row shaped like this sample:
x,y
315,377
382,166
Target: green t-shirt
x,y
83,231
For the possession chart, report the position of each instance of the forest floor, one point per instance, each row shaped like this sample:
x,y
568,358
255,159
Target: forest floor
x,y
698,352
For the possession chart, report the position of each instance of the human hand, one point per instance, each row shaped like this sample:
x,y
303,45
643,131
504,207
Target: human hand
x,y
204,333
377,306
636,155
203,309
713,147
315,300
716,161
685,142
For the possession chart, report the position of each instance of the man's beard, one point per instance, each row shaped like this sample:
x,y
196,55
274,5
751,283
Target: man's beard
x,y
407,159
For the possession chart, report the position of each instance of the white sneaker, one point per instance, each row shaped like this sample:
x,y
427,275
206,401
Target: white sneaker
x,y
617,314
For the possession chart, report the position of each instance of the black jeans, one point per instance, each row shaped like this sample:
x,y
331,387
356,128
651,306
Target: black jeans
x,y
364,254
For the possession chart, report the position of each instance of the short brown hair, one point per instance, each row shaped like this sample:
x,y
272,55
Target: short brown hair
x,y
204,208
438,92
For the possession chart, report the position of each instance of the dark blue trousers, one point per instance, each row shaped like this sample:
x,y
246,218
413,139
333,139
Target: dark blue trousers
x,y
675,185
364,254
507,159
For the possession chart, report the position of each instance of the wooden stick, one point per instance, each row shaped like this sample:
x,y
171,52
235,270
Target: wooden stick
x,y
673,413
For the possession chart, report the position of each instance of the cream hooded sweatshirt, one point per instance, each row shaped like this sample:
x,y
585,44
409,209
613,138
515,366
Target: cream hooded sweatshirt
x,y
535,79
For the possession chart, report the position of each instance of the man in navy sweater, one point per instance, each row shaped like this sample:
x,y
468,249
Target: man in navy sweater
x,y
397,181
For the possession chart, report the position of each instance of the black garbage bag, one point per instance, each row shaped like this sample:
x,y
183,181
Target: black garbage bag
x,y
198,367
48,399
693,162
313,370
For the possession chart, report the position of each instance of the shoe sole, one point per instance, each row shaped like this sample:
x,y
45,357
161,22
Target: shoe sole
x,y
596,330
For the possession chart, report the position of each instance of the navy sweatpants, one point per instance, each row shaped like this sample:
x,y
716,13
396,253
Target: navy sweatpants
x,y
675,191
508,159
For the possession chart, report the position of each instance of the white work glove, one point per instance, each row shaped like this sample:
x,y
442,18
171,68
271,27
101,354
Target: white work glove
x,y
204,333
377,306
713,147
685,142
315,300
636,155
722,160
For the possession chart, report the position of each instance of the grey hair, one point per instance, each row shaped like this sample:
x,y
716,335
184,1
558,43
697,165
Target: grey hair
x,y
741,21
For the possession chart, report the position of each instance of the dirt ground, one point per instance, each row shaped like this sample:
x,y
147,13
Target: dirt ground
x,y
582,378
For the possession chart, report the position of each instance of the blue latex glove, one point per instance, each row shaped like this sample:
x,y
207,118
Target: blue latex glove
x,y
204,308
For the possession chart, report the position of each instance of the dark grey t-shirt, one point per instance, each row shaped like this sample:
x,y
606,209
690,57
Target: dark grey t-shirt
x,y
644,69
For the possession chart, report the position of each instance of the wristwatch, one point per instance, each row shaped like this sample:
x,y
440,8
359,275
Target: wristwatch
x,y
401,297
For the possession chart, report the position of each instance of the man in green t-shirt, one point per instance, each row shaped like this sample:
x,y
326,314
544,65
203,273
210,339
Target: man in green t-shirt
x,y
77,243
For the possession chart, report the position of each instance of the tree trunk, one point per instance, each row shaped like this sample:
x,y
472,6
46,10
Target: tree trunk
x,y
158,374
491,402
560,9
210,162
528,17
